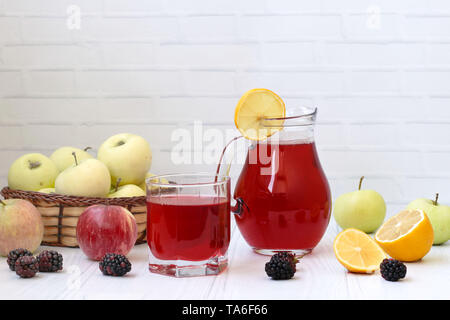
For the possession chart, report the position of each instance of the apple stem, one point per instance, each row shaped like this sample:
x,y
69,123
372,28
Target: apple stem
x,y
34,164
360,183
437,198
87,148
3,203
75,156
117,184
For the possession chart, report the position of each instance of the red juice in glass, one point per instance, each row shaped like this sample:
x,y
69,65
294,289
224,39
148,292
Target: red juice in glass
x,y
188,224
188,227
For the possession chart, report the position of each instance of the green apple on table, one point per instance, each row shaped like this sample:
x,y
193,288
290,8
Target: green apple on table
x,y
32,172
439,216
362,209
127,156
89,178
63,157
21,226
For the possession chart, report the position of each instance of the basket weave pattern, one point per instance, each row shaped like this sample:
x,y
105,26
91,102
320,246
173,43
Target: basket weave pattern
x,y
60,213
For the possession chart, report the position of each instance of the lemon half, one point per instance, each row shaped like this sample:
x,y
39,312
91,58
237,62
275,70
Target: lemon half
x,y
358,252
407,236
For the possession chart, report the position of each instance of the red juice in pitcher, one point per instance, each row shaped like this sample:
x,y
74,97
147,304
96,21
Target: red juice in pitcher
x,y
188,227
284,197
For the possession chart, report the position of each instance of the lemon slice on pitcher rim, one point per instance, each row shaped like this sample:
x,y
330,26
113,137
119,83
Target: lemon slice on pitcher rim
x,y
358,252
255,109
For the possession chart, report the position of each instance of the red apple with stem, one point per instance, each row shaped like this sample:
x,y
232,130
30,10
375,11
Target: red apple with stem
x,y
103,229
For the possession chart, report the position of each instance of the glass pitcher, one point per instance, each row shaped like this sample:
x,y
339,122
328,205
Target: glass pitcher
x,y
283,200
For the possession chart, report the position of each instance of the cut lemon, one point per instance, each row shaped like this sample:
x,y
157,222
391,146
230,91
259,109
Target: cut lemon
x,y
358,252
253,108
408,236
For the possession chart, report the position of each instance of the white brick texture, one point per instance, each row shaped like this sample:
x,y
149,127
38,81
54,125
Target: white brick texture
x,y
378,70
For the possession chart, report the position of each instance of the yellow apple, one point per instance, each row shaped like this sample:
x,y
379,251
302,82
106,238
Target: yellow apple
x,y
32,172
63,157
143,186
363,209
439,216
21,226
128,190
127,156
89,178
47,190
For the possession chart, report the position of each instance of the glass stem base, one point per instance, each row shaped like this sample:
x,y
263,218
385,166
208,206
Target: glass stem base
x,y
300,253
182,269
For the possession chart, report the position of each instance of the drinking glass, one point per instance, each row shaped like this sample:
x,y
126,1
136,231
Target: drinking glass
x,y
188,224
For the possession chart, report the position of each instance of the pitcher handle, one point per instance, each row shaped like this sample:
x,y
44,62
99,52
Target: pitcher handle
x,y
237,209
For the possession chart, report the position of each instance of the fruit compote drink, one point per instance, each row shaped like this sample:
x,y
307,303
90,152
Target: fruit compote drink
x,y
188,224
288,209
188,227
283,197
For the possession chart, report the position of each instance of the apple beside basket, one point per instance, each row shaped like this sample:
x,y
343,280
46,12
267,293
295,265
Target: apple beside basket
x,y
60,213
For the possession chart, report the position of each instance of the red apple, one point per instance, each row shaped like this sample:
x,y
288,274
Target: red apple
x,y
20,226
106,229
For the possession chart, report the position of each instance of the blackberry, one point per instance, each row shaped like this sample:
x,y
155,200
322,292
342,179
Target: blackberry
x,y
50,261
116,265
27,266
392,270
16,254
282,266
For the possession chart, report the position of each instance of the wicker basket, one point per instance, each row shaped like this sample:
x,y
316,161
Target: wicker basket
x,y
60,214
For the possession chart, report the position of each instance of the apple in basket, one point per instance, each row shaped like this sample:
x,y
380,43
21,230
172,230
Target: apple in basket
x,y
32,172
63,157
127,156
103,229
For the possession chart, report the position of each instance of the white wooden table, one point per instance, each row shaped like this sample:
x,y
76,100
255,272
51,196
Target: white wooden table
x,y
319,276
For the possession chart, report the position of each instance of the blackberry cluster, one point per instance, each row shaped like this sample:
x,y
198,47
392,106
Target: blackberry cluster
x,y
282,266
16,254
26,266
50,261
392,270
115,265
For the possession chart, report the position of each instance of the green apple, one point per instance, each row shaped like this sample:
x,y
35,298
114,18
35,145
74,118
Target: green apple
x,y
363,209
439,216
63,157
143,186
128,190
21,226
32,172
47,190
127,156
89,178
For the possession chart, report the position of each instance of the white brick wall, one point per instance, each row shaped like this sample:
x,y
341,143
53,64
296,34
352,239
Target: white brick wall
x,y
378,70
